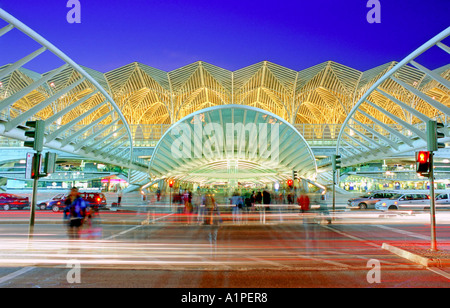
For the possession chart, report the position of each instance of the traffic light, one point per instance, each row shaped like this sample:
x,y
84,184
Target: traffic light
x,y
294,175
50,163
37,133
423,162
290,183
336,162
171,182
434,132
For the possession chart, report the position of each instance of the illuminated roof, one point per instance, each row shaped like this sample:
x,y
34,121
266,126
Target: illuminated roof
x,y
324,93
232,143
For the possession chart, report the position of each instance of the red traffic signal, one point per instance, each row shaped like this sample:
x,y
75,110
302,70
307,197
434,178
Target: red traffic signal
x,y
171,183
422,162
423,157
290,183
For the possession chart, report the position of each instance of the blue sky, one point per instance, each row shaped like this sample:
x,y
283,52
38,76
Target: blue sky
x,y
231,34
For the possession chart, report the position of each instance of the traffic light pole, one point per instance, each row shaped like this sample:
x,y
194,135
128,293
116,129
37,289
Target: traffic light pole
x,y
432,204
334,191
434,133
336,165
170,199
36,165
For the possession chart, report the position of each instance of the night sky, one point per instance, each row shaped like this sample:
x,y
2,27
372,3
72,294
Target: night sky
x,y
232,34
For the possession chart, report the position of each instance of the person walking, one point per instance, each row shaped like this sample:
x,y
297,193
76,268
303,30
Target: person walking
x,y
236,200
158,195
119,196
210,207
75,213
303,202
266,202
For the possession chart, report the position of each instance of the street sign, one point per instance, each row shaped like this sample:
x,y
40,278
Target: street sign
x,y
29,166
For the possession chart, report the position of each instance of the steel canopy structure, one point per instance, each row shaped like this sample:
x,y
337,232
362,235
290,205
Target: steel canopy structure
x,y
407,96
80,115
232,143
101,115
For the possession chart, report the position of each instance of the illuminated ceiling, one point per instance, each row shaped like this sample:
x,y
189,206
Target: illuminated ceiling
x,y
232,143
324,93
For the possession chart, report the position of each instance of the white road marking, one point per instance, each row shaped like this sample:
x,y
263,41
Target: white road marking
x,y
316,258
352,237
404,232
133,228
439,272
15,274
273,263
432,269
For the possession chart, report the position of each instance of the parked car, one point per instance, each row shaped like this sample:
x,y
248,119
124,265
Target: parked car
x,y
404,201
443,200
417,200
94,199
9,201
45,204
368,200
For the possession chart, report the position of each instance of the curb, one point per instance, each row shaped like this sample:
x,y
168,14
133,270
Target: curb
x,y
427,262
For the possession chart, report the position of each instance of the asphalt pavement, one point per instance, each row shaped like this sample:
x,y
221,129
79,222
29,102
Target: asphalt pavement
x,y
164,249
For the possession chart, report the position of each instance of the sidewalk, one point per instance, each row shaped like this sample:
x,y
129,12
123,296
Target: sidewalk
x,y
420,253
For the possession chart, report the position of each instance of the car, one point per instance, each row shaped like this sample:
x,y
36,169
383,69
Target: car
x,y
94,199
45,204
443,200
404,201
9,201
368,200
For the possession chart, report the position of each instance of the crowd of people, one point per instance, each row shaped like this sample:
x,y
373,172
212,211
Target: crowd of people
x,y
203,205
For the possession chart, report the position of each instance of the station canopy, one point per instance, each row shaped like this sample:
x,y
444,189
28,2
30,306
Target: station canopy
x,y
232,144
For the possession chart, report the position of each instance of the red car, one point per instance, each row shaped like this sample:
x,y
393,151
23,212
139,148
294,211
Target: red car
x,y
94,200
9,201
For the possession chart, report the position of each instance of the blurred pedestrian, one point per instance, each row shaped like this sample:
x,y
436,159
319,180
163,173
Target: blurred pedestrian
x,y
75,213
158,195
303,202
265,198
236,201
119,196
188,209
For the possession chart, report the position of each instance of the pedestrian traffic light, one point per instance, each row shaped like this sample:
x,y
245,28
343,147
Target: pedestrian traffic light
x,y
36,132
434,132
336,162
422,162
171,182
290,183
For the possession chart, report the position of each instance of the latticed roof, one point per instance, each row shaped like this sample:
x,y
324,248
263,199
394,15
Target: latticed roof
x,y
323,93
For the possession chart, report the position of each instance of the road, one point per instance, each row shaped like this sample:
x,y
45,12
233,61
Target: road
x,y
132,249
